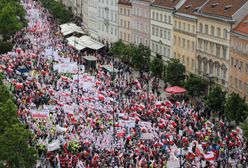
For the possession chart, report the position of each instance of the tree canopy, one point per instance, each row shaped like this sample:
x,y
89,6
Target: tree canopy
x,y
156,66
236,108
195,85
175,72
215,100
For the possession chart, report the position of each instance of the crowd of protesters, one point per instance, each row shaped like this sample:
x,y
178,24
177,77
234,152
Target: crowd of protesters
x,y
115,122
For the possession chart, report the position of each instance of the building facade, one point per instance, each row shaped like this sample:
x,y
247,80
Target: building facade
x,y
108,20
238,81
215,21
125,7
90,18
184,34
140,22
162,27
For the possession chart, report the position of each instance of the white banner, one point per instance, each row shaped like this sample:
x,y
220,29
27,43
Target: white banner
x,y
53,146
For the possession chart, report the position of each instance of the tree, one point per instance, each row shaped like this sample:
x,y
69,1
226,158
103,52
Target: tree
x,y
9,23
118,48
215,100
195,85
244,127
175,72
5,47
15,149
236,108
8,114
140,56
156,66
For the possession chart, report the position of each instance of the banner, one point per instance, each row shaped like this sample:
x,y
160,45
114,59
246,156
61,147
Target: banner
x,y
53,146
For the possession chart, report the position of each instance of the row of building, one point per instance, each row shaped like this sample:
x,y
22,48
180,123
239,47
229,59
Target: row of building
x,y
210,37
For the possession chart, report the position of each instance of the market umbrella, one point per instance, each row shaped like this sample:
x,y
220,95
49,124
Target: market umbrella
x,y
175,90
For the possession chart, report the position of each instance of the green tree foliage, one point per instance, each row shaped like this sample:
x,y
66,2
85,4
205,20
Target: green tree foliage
x,y
175,72
12,18
8,114
215,100
58,10
244,127
195,85
5,47
236,108
156,66
140,56
15,148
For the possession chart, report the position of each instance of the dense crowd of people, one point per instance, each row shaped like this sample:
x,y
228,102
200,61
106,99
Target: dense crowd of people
x,y
94,120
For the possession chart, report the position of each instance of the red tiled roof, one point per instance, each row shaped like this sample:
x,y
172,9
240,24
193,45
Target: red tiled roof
x,y
125,2
190,6
242,27
166,3
224,8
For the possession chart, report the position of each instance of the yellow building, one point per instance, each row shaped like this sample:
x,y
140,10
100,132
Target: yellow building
x,y
215,21
184,34
124,8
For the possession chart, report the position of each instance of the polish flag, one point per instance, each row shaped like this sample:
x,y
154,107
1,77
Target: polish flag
x,y
209,156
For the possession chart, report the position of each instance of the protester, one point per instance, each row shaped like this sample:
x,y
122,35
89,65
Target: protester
x,y
97,121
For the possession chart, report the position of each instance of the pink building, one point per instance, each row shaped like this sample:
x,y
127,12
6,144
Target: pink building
x,y
140,20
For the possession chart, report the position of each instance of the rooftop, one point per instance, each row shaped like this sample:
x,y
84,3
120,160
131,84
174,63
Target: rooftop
x,y
191,6
242,27
125,2
223,8
166,3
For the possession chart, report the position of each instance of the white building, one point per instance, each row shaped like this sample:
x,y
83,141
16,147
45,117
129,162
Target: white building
x,y
162,27
107,20
90,17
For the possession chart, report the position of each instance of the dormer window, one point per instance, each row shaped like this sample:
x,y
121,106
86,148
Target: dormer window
x,y
214,5
188,6
228,7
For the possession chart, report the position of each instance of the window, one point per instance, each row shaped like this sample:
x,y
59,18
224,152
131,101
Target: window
x,y
225,33
179,57
224,52
153,30
152,46
161,33
156,16
187,61
161,17
169,35
179,41
200,27
193,45
188,27
206,29
156,31
246,68
160,49
192,63
175,24
188,44
183,59
179,25
246,89
184,26
128,24
236,83
217,50
218,32
169,20
165,51
175,55
153,15
240,84
241,66
156,47
205,46
211,47
165,34
168,52
121,34
165,19
217,68
175,40
212,30
193,29
183,43
232,62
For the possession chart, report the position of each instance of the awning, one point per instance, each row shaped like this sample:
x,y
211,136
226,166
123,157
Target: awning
x,y
75,43
70,28
90,58
90,43
175,90
110,68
